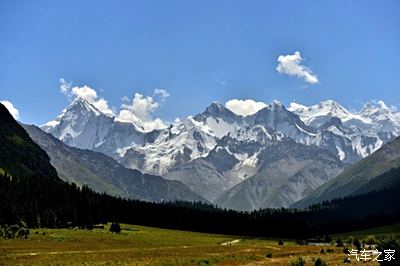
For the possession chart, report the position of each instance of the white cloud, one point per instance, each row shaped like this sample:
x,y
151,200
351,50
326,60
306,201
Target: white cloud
x,y
65,87
85,93
291,65
244,107
141,106
163,94
140,111
10,107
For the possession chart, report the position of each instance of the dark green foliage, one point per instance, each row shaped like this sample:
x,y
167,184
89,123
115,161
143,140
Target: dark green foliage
x,y
22,233
357,243
19,155
370,240
47,203
327,239
388,243
298,262
115,228
350,240
280,242
319,262
339,242
13,231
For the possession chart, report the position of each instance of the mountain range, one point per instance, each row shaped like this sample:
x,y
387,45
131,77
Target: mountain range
x,y
33,194
103,174
272,158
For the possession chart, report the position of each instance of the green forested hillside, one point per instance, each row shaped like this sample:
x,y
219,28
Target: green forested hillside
x,y
19,155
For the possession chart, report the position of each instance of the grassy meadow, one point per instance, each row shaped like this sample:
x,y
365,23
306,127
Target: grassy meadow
x,y
139,245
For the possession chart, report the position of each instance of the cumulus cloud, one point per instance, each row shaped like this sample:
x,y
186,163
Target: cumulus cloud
x,y
10,107
291,65
244,107
86,93
141,109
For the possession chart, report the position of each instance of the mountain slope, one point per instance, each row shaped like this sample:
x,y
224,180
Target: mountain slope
x,y
353,178
287,172
19,155
104,174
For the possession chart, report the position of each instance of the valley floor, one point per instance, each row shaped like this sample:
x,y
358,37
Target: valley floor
x,y
138,245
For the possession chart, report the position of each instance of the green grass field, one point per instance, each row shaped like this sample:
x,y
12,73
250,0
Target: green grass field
x,y
378,232
139,245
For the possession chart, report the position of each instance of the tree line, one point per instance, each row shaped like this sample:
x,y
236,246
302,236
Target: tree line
x,y
47,202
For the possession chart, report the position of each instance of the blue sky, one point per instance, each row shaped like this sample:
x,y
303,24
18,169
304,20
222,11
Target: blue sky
x,y
198,51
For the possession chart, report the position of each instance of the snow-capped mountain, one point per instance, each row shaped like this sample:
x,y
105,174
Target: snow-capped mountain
x,y
83,126
366,130
317,115
376,117
183,141
217,150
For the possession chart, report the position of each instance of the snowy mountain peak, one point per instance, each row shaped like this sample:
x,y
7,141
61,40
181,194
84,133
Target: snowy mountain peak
x,y
276,105
81,105
296,106
217,110
379,111
316,115
219,119
332,106
372,107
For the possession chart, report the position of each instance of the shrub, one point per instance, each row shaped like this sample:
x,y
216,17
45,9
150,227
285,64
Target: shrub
x,y
299,262
268,255
22,233
388,243
280,242
357,244
350,240
370,240
115,228
322,251
319,262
